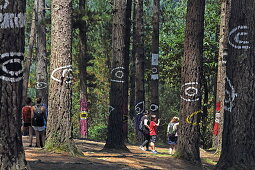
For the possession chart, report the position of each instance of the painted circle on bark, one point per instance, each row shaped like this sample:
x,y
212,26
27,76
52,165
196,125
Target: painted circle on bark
x,y
118,75
188,119
190,91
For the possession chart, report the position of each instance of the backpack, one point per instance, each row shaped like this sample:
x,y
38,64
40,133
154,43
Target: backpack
x,y
38,119
26,114
170,129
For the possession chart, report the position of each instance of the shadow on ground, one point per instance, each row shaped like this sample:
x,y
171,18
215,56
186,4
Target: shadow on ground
x,y
95,159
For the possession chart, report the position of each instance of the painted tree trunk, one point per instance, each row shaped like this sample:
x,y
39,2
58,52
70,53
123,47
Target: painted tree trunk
x,y
238,151
139,64
188,139
12,42
83,70
28,59
221,75
41,64
60,102
119,78
154,107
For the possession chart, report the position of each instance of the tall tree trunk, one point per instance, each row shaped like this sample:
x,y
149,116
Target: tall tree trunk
x,y
238,151
154,107
127,55
119,78
41,64
132,112
12,42
139,64
221,75
132,86
204,114
59,133
83,68
188,141
28,59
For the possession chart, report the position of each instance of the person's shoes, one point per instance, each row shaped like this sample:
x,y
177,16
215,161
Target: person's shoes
x,y
142,148
29,145
148,150
155,152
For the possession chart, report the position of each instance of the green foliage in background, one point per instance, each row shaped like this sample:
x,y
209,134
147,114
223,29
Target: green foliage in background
x,y
172,27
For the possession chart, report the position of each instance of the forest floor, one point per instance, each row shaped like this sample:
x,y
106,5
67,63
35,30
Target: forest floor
x,y
94,158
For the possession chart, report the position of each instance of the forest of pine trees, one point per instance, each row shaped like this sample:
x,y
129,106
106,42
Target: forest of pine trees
x,y
99,65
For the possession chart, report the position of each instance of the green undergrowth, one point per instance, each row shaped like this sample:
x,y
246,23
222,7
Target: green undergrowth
x,y
69,148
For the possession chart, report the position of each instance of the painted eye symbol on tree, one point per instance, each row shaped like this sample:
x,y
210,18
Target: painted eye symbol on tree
x,y
190,92
236,37
11,66
41,85
139,107
84,115
118,75
154,107
66,73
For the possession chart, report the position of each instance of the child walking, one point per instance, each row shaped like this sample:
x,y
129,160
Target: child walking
x,y
153,132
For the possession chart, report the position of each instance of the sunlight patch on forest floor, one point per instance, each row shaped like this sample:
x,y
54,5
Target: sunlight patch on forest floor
x,y
94,158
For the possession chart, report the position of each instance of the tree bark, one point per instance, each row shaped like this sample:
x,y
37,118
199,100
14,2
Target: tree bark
x,y
41,64
12,42
119,78
221,75
238,151
59,135
154,107
204,115
127,56
83,62
188,140
132,102
139,64
28,59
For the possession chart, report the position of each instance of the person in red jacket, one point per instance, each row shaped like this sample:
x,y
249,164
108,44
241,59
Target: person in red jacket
x,y
153,132
26,119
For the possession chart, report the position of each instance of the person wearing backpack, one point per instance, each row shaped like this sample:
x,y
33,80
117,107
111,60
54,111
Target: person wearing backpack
x,y
172,134
26,119
38,122
145,129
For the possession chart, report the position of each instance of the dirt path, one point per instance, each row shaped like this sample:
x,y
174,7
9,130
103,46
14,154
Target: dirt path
x,y
94,158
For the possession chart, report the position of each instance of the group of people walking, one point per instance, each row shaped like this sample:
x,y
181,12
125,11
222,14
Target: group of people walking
x,y
34,118
148,126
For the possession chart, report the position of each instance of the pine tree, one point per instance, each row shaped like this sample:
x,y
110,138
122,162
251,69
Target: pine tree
x,y
29,57
41,64
154,107
238,151
188,139
138,44
119,77
221,74
12,42
60,102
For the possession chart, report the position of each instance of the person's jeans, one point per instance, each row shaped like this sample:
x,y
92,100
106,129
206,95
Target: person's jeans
x,y
147,140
